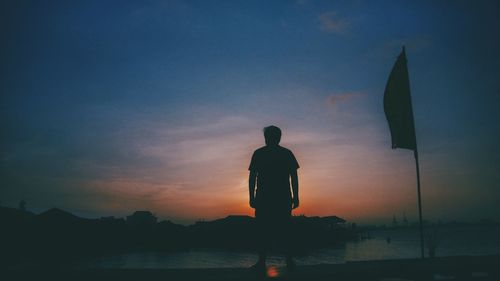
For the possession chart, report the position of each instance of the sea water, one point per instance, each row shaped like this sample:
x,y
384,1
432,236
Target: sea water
x,y
401,243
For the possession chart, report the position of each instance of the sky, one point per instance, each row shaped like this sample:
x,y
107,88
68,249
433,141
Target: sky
x,y
108,107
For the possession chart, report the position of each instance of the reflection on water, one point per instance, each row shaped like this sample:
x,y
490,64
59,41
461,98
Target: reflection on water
x,y
404,243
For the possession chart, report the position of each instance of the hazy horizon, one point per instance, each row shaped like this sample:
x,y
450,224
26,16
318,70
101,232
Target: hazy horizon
x,y
113,107
363,222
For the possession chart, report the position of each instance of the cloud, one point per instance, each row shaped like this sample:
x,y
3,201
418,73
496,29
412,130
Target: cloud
x,y
195,161
330,22
337,98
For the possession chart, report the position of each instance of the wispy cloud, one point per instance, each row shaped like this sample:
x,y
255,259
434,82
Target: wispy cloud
x,y
331,22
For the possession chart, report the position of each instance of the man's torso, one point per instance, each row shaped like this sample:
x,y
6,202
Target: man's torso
x,y
273,165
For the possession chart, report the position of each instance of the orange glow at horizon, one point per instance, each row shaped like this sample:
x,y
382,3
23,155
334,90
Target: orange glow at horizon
x,y
205,176
333,181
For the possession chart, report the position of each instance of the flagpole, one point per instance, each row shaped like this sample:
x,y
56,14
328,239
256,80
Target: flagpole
x,y
415,153
419,204
399,113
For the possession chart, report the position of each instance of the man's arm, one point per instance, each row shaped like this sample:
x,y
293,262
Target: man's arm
x,y
251,187
295,188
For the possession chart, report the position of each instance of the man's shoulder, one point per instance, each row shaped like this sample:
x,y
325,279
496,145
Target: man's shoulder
x,y
266,148
260,150
286,150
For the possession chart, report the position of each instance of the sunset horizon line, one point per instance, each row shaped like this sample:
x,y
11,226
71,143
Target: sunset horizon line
x,y
411,220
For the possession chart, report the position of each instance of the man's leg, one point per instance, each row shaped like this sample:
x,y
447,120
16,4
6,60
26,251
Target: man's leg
x,y
261,243
290,263
288,235
262,257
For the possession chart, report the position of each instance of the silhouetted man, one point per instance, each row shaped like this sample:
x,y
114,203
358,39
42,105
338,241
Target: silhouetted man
x,y
272,167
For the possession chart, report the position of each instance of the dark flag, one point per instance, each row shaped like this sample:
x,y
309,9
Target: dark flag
x,y
399,113
397,106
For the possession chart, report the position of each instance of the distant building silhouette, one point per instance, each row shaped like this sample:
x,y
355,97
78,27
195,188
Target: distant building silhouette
x,y
333,221
142,218
112,219
329,222
405,220
22,205
394,221
59,235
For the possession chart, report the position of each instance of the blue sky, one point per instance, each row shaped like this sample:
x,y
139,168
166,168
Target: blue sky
x,y
108,107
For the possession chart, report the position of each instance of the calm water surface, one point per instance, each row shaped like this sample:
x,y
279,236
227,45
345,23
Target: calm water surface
x,y
452,241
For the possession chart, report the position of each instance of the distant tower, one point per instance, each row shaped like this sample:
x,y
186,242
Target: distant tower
x,y
394,221
22,205
405,220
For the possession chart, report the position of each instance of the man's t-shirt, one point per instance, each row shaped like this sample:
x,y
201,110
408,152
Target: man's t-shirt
x,y
273,165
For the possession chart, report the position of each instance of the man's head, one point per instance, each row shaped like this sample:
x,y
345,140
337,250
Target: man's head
x,y
272,134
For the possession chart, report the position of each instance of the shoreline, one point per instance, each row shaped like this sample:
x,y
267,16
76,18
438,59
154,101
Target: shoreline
x,y
441,268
